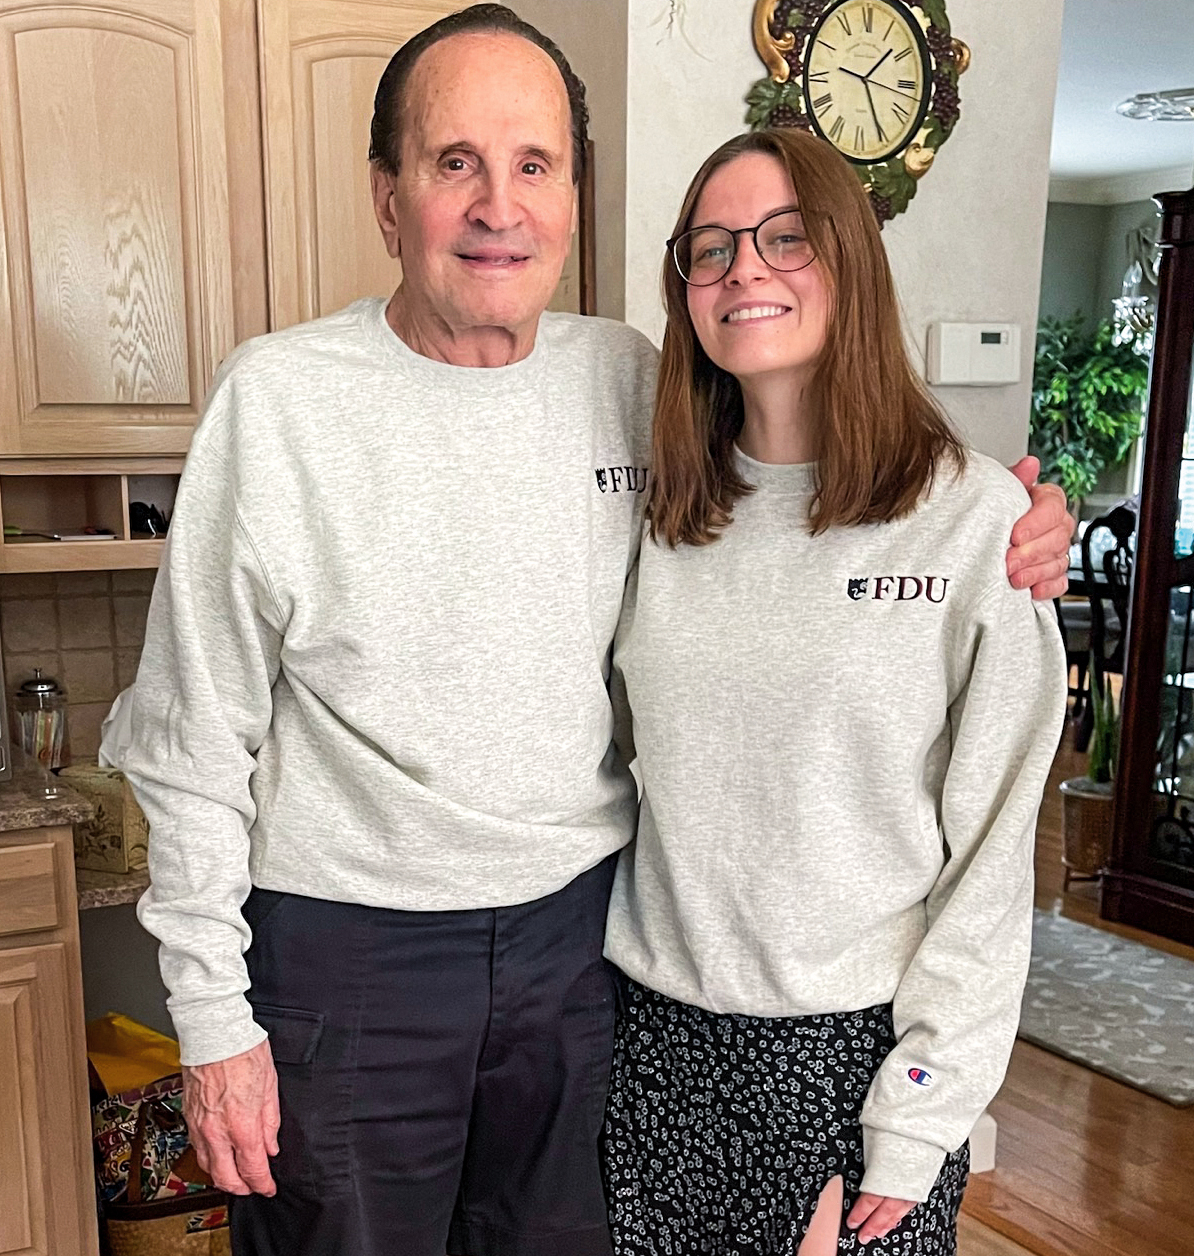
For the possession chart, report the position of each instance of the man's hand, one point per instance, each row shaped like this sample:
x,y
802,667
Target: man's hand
x,y
1039,557
231,1108
877,1214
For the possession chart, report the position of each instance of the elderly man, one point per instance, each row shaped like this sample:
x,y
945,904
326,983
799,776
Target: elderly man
x,y
374,736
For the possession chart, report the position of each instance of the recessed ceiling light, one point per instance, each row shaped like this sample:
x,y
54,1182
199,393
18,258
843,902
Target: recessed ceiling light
x,y
1174,106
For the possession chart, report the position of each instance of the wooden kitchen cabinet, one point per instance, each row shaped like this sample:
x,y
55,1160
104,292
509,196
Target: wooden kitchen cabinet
x,y
176,176
320,63
129,168
47,1189
43,497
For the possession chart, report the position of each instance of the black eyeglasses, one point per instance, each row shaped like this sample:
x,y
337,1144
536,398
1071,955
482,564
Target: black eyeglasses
x,y
703,255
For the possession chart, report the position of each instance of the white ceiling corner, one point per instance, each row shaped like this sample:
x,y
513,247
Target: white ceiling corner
x,y
1119,189
1112,49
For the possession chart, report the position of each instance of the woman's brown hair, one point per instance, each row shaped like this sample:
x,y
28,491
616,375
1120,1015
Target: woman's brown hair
x,y
882,438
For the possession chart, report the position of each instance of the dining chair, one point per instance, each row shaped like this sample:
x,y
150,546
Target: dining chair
x,y
1073,618
1107,574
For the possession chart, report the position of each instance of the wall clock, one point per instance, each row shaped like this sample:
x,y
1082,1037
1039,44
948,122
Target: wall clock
x,y
877,79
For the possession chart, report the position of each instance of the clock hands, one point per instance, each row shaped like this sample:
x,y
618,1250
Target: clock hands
x,y
896,90
864,79
870,100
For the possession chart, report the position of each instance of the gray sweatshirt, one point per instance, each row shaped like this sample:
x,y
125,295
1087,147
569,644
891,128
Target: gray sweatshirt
x,y
843,742
376,664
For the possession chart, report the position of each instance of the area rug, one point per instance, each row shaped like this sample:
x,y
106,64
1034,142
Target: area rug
x,y
1115,1006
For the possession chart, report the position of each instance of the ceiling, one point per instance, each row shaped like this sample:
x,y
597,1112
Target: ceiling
x,y
1112,49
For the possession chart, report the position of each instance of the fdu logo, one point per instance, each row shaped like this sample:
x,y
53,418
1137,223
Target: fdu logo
x,y
920,1076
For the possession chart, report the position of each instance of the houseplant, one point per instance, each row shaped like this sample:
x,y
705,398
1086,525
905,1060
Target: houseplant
x,y
1088,391
1086,800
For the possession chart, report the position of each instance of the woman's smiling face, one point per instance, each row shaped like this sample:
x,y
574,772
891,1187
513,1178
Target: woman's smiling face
x,y
757,321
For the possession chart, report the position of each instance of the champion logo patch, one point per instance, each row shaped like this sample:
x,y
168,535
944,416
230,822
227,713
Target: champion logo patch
x,y
922,1077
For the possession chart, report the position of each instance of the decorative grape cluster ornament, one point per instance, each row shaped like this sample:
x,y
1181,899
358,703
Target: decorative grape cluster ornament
x,y
784,32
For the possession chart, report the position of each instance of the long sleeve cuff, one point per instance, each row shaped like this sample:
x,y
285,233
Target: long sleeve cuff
x,y
216,1030
898,1166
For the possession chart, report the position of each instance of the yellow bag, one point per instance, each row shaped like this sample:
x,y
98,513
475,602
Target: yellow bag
x,y
127,1055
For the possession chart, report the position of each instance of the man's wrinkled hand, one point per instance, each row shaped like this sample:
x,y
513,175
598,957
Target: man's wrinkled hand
x,y
1039,556
232,1113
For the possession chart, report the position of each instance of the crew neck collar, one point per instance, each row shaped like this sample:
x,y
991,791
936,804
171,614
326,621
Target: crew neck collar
x,y
468,378
786,477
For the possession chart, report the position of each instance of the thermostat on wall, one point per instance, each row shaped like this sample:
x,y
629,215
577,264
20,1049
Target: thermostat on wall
x,y
974,353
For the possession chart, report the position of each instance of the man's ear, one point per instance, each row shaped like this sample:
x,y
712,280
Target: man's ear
x,y
384,194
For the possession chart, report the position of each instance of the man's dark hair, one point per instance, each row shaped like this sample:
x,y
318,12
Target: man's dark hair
x,y
385,136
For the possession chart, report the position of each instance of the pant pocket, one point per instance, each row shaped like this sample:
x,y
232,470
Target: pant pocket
x,y
294,1033
303,1098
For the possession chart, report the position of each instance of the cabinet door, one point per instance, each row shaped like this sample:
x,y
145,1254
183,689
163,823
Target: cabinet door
x,y
320,63
47,1200
117,299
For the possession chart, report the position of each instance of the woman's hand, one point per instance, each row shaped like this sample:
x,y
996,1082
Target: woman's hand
x,y
877,1214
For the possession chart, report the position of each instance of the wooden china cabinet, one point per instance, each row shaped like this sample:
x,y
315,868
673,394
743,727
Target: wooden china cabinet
x,y
1150,883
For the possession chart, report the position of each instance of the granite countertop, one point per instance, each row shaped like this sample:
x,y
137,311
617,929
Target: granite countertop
x,y
109,889
24,806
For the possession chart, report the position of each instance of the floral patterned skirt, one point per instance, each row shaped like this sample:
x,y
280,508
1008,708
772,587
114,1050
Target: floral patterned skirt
x,y
722,1131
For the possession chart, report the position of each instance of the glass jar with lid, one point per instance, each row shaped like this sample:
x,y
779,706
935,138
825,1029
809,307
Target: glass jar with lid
x,y
41,718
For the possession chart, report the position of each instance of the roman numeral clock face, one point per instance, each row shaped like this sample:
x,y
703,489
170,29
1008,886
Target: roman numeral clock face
x,y
867,79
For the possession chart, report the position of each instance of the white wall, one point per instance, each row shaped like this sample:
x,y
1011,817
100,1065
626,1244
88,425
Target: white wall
x,y
969,246
592,35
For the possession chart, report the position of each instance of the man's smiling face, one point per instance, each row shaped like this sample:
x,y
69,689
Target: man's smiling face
x,y
484,201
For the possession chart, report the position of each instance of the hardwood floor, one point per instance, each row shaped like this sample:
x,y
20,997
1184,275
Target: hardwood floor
x,y
1085,1166
975,1239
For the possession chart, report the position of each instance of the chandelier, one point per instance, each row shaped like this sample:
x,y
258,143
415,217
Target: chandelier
x,y
1135,308
1172,106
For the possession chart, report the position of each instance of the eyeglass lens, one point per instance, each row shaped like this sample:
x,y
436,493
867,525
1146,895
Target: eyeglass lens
x,y
705,254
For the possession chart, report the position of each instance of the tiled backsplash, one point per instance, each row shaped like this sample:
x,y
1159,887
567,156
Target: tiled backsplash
x,y
84,628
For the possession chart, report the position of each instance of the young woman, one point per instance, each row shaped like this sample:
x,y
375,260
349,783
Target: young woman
x,y
844,717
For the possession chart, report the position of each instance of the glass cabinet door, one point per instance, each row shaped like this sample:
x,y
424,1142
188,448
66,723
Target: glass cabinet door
x,y
1171,828
1150,880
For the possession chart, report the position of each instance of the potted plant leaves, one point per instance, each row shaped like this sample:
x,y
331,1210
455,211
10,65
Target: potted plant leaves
x,y
1086,800
1088,392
